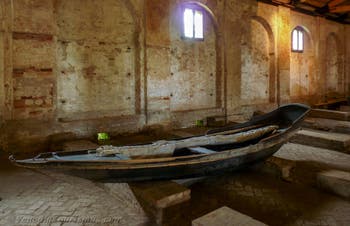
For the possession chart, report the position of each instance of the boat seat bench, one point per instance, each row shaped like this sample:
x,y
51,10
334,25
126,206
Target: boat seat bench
x,y
201,150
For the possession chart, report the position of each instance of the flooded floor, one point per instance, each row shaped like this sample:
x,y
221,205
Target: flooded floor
x,y
263,197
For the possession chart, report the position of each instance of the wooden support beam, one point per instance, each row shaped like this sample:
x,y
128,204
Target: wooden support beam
x,y
334,3
315,3
340,9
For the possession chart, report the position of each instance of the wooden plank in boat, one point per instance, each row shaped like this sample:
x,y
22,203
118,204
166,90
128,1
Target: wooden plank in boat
x,y
168,147
201,150
122,157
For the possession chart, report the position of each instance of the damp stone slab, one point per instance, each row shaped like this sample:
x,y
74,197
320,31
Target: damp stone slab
x,y
155,196
345,108
226,216
335,181
330,125
333,141
330,114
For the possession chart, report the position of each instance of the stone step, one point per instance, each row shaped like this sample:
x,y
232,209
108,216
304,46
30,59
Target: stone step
x,y
327,125
335,181
331,103
329,140
345,108
226,216
155,196
330,114
301,163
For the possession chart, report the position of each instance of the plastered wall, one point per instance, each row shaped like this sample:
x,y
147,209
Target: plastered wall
x,y
118,66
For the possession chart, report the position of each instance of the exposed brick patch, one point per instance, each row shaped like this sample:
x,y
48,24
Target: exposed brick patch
x,y
19,103
39,37
20,72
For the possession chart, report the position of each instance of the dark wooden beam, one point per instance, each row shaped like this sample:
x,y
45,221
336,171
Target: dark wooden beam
x,y
340,9
334,3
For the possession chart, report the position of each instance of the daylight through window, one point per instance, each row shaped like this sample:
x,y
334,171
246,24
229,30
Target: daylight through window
x,y
193,23
298,40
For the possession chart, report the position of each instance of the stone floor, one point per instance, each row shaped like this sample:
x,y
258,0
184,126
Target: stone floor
x,y
327,158
33,198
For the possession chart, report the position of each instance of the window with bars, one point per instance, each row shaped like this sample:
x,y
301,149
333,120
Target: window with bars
x,y
193,23
298,40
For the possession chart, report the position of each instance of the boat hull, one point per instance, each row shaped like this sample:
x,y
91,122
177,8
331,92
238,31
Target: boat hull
x,y
181,171
231,158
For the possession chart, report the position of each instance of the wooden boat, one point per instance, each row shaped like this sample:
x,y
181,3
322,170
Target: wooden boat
x,y
224,149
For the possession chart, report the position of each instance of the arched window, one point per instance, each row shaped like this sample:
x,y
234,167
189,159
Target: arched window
x,y
193,22
298,40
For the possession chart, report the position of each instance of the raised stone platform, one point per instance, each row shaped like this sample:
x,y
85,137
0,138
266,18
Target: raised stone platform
x,y
330,114
334,141
330,125
335,181
226,216
345,108
301,163
331,103
156,196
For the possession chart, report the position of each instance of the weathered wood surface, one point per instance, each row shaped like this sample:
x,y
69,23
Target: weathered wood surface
x,y
168,147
